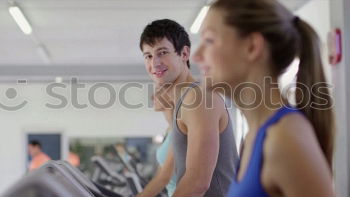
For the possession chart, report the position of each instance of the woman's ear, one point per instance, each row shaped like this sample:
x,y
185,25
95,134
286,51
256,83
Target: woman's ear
x,y
255,46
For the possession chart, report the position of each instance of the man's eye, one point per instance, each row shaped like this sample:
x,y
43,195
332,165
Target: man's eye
x,y
147,57
163,52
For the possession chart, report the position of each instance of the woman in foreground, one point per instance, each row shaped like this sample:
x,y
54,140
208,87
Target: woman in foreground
x,y
245,46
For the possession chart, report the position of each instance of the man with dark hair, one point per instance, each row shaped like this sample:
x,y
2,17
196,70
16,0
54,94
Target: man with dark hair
x,y
38,157
204,152
166,28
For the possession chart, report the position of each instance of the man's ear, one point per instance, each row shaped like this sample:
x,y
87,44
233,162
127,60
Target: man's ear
x,y
185,53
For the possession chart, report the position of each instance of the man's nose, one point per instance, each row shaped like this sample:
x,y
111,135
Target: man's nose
x,y
155,61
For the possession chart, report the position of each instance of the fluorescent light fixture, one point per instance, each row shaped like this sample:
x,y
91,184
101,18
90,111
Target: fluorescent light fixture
x,y
20,19
58,79
199,20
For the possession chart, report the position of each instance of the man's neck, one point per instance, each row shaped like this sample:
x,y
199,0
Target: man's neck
x,y
184,77
182,81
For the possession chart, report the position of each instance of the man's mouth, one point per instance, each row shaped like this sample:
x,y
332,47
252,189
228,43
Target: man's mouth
x,y
160,73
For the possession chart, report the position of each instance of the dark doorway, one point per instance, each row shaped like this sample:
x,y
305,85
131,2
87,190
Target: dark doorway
x,y
51,144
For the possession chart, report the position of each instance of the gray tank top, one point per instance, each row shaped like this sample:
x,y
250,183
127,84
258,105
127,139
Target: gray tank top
x,y
227,162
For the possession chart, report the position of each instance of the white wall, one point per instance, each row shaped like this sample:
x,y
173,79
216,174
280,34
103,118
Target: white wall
x,y
340,19
35,116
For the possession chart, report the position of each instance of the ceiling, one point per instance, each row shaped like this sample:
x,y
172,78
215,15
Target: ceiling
x,y
87,35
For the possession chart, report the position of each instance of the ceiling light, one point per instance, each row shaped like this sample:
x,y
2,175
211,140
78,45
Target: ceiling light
x,y
20,19
58,79
198,22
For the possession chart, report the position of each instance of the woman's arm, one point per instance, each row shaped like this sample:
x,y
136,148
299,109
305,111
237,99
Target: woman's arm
x,y
161,179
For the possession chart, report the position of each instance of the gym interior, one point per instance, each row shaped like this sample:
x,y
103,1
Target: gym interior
x,y
73,81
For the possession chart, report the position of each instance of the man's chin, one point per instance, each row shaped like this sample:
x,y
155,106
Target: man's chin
x,y
161,82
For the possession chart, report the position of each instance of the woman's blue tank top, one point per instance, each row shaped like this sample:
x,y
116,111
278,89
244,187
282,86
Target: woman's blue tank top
x,y
250,185
162,153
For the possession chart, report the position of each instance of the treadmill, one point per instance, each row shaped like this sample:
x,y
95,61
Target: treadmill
x,y
57,179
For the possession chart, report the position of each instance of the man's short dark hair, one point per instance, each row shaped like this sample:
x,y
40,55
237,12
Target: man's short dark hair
x,y
35,143
166,28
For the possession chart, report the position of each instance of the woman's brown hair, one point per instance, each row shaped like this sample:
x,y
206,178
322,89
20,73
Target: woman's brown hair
x,y
289,37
